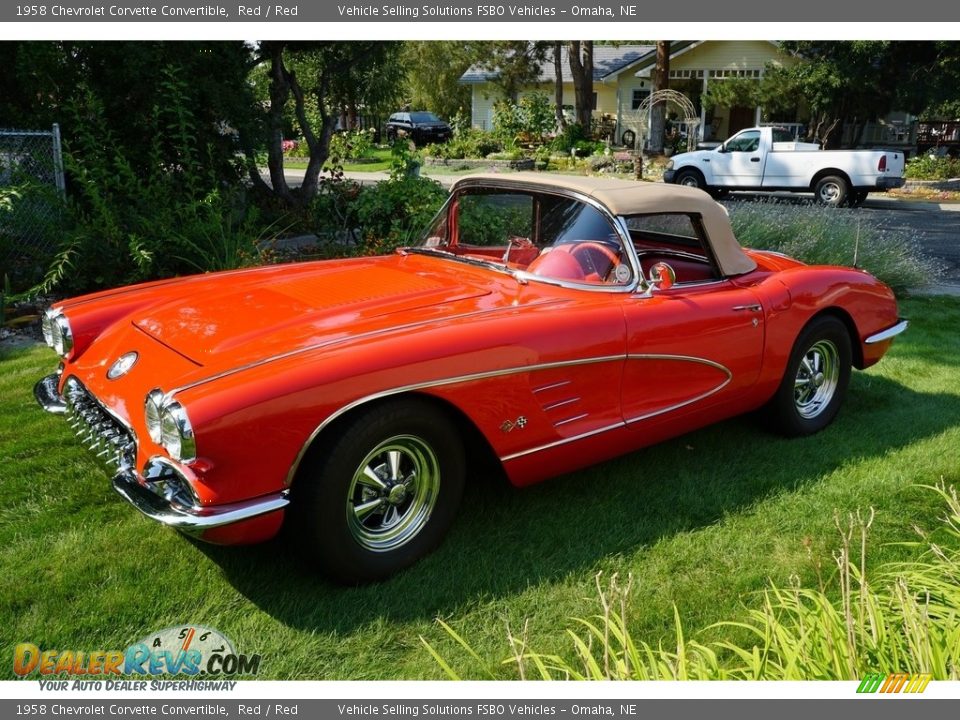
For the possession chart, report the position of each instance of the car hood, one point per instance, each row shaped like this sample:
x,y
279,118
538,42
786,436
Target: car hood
x,y
234,318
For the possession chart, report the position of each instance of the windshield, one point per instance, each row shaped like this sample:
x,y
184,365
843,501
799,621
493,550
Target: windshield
x,y
422,117
538,235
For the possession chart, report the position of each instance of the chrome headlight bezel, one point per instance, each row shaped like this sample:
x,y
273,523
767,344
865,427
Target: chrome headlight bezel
x,y
152,411
176,433
57,333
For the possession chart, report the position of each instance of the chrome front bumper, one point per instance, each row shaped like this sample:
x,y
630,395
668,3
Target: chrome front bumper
x,y
194,519
106,435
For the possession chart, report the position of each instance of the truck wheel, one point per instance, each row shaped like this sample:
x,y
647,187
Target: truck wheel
x,y
691,178
831,190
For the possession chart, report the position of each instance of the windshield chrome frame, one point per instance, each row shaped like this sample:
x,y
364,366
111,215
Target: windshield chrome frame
x,y
522,276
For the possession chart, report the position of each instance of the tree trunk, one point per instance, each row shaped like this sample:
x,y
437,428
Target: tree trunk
x,y
279,93
581,67
558,85
658,112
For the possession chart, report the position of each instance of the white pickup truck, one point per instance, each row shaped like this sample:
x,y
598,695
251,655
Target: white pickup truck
x,y
768,158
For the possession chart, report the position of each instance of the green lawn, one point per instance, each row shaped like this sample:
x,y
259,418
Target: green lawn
x,y
702,522
379,160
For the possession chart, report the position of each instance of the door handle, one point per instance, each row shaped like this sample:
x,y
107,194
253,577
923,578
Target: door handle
x,y
751,308
754,159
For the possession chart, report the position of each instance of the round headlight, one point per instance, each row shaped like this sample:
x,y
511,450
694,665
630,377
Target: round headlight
x,y
46,325
152,413
176,434
670,165
61,336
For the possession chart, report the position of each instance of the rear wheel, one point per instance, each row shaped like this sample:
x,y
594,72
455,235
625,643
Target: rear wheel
x,y
380,495
815,380
831,190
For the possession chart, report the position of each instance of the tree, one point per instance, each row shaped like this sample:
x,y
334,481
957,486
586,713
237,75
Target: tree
x,y
433,71
658,112
515,62
322,80
558,84
581,67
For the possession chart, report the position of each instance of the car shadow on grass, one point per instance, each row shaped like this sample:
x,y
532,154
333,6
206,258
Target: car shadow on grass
x,y
506,539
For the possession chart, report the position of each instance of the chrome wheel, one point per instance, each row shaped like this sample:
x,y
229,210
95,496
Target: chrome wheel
x,y
830,193
393,493
817,379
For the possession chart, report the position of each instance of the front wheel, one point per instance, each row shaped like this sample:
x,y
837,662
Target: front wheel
x,y
831,190
381,494
815,380
691,178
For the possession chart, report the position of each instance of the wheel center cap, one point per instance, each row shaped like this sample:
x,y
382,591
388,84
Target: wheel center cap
x,y
818,380
397,494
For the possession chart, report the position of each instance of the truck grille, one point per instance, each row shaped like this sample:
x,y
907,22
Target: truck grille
x,y
109,438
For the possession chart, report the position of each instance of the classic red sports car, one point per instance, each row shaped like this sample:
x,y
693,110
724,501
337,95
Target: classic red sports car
x,y
544,323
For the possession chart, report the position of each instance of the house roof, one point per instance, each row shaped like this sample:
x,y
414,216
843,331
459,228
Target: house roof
x,y
607,60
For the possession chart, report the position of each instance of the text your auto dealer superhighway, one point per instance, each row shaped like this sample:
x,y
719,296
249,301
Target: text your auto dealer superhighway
x,y
135,12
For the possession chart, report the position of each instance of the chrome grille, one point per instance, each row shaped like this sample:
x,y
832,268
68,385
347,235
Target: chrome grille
x,y
109,438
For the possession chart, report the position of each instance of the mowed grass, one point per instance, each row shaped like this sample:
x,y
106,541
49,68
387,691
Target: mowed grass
x,y
702,522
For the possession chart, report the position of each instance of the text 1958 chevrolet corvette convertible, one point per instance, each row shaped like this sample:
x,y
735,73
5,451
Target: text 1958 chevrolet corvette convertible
x,y
546,323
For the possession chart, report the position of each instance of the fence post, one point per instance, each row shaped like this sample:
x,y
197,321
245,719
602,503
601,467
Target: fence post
x,y
58,161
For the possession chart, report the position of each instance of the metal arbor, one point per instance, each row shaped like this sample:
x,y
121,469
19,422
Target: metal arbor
x,y
638,121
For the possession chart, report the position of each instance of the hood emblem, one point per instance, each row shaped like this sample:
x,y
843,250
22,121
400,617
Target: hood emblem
x,y
122,366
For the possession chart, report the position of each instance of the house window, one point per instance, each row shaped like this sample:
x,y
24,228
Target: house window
x,y
638,97
735,74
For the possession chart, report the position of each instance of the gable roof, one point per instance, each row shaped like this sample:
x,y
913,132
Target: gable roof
x,y
608,60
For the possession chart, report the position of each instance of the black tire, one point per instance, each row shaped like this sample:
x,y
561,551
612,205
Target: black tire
x,y
403,442
690,178
629,138
391,135
831,190
804,409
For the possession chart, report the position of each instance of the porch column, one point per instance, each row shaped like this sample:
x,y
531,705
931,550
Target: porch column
x,y
703,108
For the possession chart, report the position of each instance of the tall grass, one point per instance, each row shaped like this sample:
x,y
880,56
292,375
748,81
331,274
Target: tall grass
x,y
829,236
905,619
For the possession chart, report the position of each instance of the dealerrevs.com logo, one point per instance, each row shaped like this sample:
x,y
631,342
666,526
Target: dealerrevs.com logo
x,y
190,650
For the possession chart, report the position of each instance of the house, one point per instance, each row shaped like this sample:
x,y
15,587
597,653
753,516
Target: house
x,y
614,78
622,79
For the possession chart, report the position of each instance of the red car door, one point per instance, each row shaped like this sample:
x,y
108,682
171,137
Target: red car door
x,y
690,348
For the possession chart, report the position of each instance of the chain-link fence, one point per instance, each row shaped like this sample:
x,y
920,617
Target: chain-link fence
x,y
31,200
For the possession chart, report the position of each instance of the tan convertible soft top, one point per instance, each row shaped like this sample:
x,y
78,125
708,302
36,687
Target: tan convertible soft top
x,y
631,197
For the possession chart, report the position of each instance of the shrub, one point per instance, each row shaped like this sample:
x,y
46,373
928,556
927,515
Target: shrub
x,y
931,167
829,236
568,138
470,143
393,213
507,123
131,223
351,145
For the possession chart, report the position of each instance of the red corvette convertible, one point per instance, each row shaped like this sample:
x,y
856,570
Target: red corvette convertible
x,y
546,323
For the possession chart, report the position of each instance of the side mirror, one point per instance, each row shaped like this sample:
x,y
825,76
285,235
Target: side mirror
x,y
661,276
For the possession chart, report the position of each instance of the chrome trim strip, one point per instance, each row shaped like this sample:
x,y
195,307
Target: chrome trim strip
x,y
349,338
438,383
682,358
890,332
581,416
551,386
192,519
563,441
625,423
561,403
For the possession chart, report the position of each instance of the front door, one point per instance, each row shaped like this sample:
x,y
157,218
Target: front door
x,y
689,348
738,162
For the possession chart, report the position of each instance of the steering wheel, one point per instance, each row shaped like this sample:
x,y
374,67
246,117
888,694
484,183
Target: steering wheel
x,y
613,257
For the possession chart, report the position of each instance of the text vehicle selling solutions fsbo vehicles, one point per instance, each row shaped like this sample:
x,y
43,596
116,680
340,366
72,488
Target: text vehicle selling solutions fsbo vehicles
x,y
545,323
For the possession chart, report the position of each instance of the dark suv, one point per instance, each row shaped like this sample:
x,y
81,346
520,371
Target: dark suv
x,y
421,127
